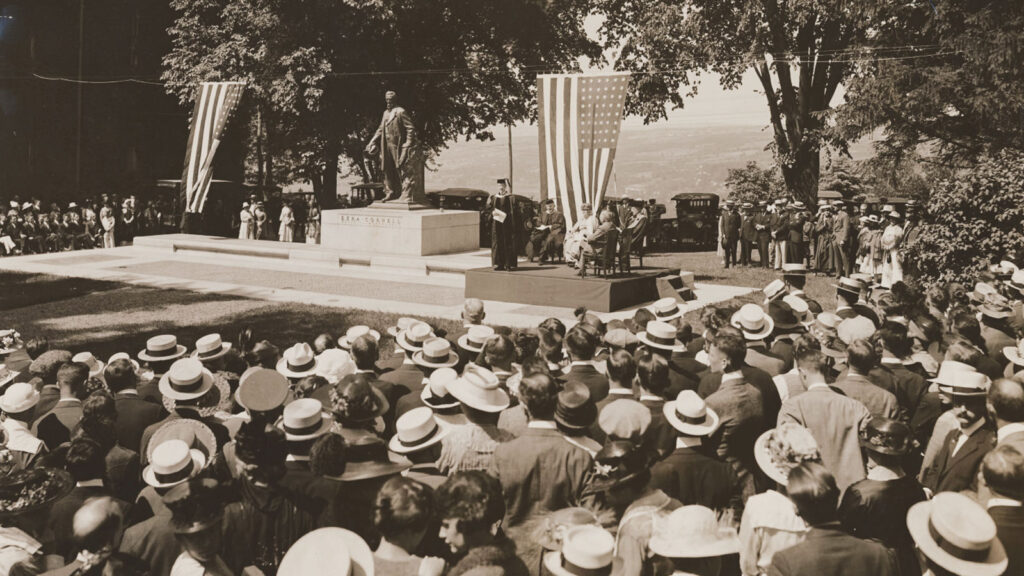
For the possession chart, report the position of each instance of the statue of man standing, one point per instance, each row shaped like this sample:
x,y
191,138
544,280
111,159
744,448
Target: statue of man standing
x,y
395,142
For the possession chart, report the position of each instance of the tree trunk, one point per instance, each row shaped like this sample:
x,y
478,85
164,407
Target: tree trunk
x,y
802,175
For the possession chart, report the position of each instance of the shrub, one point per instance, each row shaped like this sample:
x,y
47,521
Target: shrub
x,y
971,219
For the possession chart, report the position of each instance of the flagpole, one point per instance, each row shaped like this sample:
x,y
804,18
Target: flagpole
x,y
509,127
593,168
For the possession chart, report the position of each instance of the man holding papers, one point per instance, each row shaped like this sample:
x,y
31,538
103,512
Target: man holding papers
x,y
548,234
503,228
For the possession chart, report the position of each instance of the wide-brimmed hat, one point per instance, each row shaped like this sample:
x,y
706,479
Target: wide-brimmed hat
x,y
334,364
693,532
29,491
435,353
435,394
774,289
186,379
475,338
550,534
401,325
298,361
304,419
328,551
195,434
690,415
886,436
415,430
479,389
666,309
783,448
216,399
210,347
414,337
95,366
575,409
366,456
793,269
171,463
957,534
752,320
355,332
849,286
995,306
1016,280
982,290
162,348
586,551
355,399
19,397
801,309
957,382
1015,354
662,335
262,390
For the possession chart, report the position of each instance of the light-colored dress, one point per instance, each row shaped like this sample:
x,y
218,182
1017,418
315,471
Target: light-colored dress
x,y
245,225
286,232
108,222
769,524
579,232
892,257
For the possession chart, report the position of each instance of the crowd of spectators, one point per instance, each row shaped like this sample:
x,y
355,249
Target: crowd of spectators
x,y
879,434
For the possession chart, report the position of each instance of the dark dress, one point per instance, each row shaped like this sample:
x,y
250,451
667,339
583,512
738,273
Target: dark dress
x,y
878,509
503,234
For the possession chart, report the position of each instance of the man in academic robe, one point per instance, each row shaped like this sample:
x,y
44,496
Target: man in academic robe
x,y
504,245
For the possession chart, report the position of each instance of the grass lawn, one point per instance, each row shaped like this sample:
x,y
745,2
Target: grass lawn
x,y
108,317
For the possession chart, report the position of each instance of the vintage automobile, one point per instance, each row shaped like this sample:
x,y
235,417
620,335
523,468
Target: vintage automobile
x,y
696,222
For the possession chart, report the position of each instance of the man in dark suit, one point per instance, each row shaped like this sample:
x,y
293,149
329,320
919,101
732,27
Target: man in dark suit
x,y
473,314
828,549
711,381
318,495
842,234
134,414
55,427
548,234
539,471
364,354
408,375
795,231
731,224
1006,407
581,344
1003,472
955,467
748,234
763,225
688,474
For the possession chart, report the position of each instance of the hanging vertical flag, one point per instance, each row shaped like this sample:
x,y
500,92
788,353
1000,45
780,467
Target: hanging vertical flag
x,y
215,104
578,122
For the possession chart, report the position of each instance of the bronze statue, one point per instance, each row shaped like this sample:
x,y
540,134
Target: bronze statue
x,y
399,161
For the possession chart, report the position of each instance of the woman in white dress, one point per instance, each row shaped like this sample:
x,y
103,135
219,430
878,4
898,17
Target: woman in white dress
x,y
891,243
108,223
287,229
245,223
579,232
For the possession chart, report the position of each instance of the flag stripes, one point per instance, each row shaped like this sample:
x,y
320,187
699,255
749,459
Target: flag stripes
x,y
578,121
215,105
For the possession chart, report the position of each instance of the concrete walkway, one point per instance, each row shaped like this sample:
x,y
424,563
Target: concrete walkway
x,y
395,289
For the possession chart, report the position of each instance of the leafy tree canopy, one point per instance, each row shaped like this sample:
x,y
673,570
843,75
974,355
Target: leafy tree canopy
x,y
754,184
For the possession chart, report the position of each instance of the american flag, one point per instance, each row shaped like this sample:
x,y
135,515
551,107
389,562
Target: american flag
x,y
578,121
216,103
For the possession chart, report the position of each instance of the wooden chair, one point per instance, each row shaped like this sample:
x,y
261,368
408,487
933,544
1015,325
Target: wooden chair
x,y
602,257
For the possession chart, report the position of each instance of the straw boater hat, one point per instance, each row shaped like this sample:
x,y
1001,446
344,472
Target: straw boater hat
x,y
162,348
961,382
95,366
435,353
412,339
355,332
304,419
957,534
479,389
415,430
693,532
793,269
783,448
752,320
662,335
216,399
849,286
586,551
262,390
1016,281
328,551
801,309
195,434
774,289
995,306
666,309
298,361
19,397
210,347
186,379
172,463
435,394
552,530
403,324
690,415
1015,354
475,337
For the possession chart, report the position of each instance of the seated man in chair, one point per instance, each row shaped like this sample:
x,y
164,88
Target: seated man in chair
x,y
548,234
594,245
632,237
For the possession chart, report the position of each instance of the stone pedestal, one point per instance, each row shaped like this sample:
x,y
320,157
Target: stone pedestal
x,y
401,229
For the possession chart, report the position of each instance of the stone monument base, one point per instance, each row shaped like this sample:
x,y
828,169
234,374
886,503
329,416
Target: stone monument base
x,y
401,230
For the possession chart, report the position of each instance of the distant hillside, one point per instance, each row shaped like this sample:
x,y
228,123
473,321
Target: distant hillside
x,y
662,159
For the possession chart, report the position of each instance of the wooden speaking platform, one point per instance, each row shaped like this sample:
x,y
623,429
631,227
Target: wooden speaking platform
x,y
558,285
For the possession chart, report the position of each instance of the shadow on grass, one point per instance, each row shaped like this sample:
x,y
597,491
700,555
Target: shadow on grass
x,y
21,289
